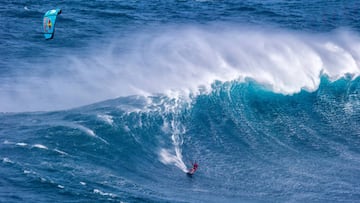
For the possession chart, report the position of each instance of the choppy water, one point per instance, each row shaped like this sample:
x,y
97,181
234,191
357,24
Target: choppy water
x,y
264,95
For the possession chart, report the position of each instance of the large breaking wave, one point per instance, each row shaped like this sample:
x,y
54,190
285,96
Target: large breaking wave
x,y
251,144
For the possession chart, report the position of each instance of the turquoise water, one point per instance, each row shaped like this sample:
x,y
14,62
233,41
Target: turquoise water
x,y
263,95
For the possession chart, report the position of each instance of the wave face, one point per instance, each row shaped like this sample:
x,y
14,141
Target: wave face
x,y
263,95
251,144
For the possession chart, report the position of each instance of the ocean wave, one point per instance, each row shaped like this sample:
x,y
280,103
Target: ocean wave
x,y
188,60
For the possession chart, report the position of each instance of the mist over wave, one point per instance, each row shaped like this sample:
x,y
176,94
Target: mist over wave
x,y
183,60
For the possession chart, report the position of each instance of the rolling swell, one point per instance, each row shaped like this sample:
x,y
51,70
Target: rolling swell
x,y
251,143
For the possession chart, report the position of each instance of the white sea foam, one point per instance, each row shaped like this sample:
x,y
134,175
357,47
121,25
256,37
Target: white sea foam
x,y
7,142
97,191
22,144
40,146
176,129
166,157
186,59
88,131
106,118
126,128
7,160
29,172
60,152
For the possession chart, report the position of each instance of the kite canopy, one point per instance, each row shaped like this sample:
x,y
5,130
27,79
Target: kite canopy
x,y
49,23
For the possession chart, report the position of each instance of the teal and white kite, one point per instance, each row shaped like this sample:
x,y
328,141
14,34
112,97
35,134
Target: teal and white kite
x,y
49,23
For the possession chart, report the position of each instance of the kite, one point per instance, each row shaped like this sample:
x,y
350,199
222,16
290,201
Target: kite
x,y
49,23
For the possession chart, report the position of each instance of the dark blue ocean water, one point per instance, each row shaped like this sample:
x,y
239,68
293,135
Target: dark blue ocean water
x,y
264,95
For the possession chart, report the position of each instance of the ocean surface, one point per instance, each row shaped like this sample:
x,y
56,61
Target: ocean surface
x,y
264,95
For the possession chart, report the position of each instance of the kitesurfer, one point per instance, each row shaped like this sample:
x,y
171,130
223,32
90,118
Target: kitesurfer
x,y
194,168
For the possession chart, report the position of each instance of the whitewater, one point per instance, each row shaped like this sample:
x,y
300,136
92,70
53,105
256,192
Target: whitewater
x,y
116,108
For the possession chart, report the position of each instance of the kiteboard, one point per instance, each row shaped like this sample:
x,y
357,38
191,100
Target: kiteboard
x,y
191,172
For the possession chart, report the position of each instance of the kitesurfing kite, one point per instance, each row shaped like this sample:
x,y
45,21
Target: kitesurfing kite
x,y
49,22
